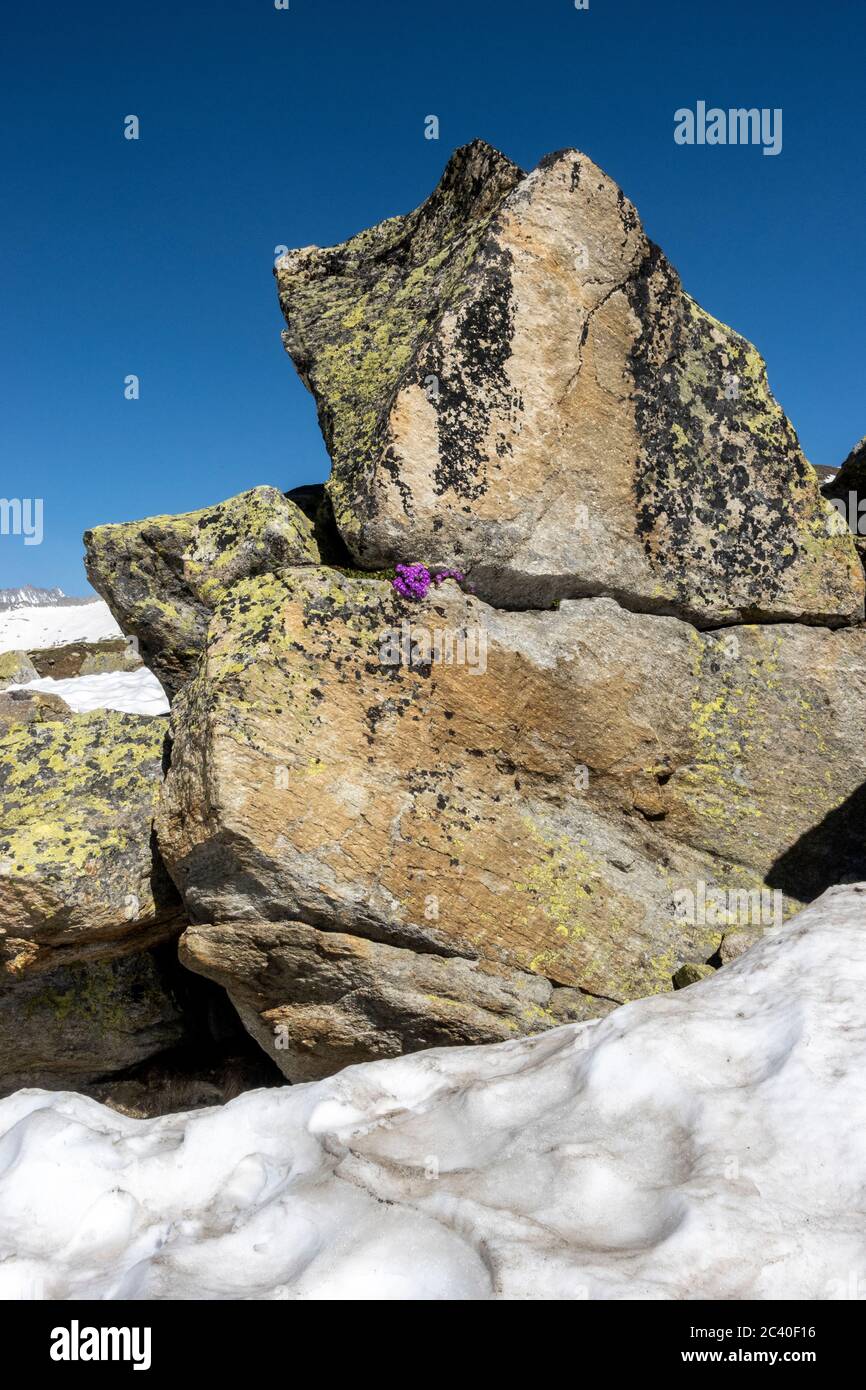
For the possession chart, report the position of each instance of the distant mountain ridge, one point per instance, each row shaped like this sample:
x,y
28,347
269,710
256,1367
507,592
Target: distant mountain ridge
x,y
29,596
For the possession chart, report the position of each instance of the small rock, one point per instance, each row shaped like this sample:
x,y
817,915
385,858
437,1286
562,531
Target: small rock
x,y
30,707
735,943
691,974
16,668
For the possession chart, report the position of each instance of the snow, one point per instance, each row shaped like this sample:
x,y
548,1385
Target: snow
x,y
705,1144
26,629
134,692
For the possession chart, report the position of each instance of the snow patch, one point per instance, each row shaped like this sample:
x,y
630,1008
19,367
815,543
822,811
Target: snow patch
x,y
704,1144
133,692
27,629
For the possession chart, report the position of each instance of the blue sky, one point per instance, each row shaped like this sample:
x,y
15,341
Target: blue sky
x,y
262,127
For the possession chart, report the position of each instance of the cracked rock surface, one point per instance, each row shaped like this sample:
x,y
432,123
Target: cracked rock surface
x,y
379,855
512,380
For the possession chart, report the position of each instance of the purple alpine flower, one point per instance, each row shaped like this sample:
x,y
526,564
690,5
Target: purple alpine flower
x,y
412,581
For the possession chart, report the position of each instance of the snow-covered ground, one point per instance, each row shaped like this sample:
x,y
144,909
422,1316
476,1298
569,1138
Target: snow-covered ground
x,y
705,1144
27,628
135,692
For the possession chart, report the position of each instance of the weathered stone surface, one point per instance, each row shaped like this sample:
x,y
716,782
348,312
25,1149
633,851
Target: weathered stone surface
x,y
735,944
318,1001
537,809
691,974
16,668
30,707
69,1026
85,659
77,873
161,577
511,380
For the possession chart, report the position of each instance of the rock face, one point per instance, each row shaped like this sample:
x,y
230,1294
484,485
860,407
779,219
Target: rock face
x,y
77,875
16,668
632,746
852,474
30,707
68,1027
318,1001
511,380
85,659
383,850
161,577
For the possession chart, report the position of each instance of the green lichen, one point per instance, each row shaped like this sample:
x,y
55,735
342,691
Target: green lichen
x,y
78,795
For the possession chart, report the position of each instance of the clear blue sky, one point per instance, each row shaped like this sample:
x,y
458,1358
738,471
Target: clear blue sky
x,y
262,127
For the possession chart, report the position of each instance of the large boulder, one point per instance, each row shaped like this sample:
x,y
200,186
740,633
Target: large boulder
x,y
161,577
78,876
541,794
317,1001
512,380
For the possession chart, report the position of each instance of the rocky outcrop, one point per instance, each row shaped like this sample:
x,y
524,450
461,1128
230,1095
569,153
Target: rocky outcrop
x,y
73,659
512,381
402,817
482,832
317,1001
78,879
16,668
30,707
161,577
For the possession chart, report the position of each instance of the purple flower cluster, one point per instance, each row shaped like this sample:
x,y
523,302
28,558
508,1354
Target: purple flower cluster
x,y
413,581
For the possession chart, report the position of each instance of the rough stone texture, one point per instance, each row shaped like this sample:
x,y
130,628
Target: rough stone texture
x,y
538,818
318,1001
691,974
85,659
30,707
161,577
735,944
77,874
69,1026
16,668
511,380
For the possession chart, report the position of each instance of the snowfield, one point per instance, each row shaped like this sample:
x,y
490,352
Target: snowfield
x,y
28,628
134,692
705,1144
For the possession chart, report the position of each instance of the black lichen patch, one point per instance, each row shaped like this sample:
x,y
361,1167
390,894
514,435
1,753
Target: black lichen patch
x,y
720,474
473,384
357,315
